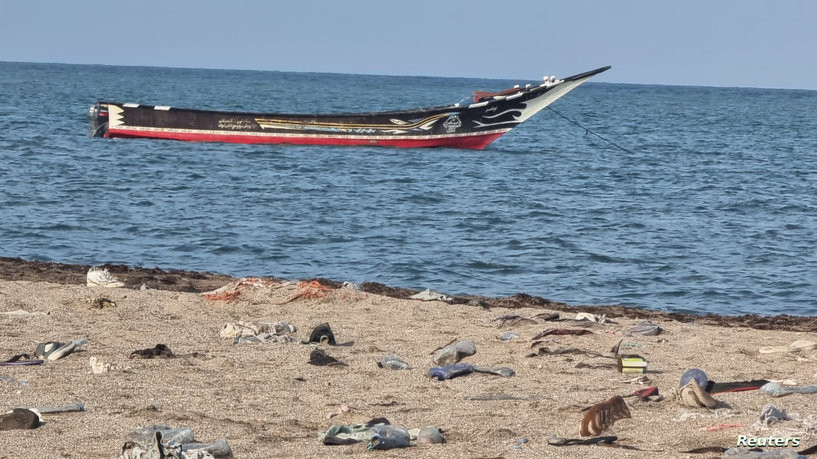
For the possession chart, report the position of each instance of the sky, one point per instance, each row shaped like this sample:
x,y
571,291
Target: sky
x,y
732,43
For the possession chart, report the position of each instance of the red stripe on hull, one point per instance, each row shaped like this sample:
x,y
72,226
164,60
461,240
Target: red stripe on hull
x,y
477,141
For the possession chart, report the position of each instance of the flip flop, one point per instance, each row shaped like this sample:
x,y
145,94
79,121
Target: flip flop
x,y
559,441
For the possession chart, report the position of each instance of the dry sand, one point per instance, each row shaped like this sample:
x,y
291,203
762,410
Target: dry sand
x,y
269,402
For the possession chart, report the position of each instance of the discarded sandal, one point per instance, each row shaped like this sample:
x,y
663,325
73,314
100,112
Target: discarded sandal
x,y
559,441
21,359
601,416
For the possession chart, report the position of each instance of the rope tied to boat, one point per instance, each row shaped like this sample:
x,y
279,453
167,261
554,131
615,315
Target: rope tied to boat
x,y
590,131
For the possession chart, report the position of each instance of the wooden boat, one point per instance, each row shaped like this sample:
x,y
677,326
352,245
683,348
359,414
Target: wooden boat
x,y
473,125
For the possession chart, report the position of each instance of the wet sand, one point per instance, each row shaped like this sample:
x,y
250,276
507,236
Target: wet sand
x,y
269,402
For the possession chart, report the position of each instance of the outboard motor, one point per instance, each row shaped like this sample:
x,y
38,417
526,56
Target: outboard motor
x,y
98,116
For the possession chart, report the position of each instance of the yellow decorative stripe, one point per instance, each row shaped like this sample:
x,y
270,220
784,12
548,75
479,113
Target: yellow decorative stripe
x,y
270,123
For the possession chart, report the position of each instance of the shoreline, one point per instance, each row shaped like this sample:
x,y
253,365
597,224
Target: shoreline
x,y
198,282
274,397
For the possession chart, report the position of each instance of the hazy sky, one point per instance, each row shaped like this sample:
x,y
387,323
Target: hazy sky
x,y
694,42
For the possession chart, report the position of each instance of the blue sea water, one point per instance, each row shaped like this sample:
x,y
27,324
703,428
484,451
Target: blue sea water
x,y
712,207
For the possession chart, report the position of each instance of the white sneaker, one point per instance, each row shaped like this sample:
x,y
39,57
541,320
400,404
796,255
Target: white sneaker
x,y
98,277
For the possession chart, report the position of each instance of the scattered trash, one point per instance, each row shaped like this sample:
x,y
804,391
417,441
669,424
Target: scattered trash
x,y
98,277
431,295
160,441
428,435
322,334
800,345
393,362
736,386
20,418
518,443
775,389
500,397
454,353
562,331
601,416
22,313
461,369
505,372
559,441
694,396
232,290
70,408
771,414
54,350
21,359
388,436
101,302
643,379
720,427
340,410
242,329
350,286
15,380
347,434
450,371
598,318
512,319
508,336
158,351
645,328
647,394
631,364
98,367
694,374
309,290
378,433
320,358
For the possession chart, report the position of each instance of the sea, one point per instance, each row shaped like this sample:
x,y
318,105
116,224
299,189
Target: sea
x,y
674,198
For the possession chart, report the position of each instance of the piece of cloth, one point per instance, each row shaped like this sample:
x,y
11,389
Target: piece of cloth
x,y
453,353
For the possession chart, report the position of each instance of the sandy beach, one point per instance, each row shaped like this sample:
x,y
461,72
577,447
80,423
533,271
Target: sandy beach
x,y
268,401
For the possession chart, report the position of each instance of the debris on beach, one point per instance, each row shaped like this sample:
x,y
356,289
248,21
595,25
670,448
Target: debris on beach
x,y
646,328
393,362
158,351
20,418
431,295
161,441
379,433
232,290
309,290
259,333
320,358
601,416
453,353
54,350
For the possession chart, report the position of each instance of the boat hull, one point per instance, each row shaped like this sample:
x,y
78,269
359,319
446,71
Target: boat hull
x,y
471,126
